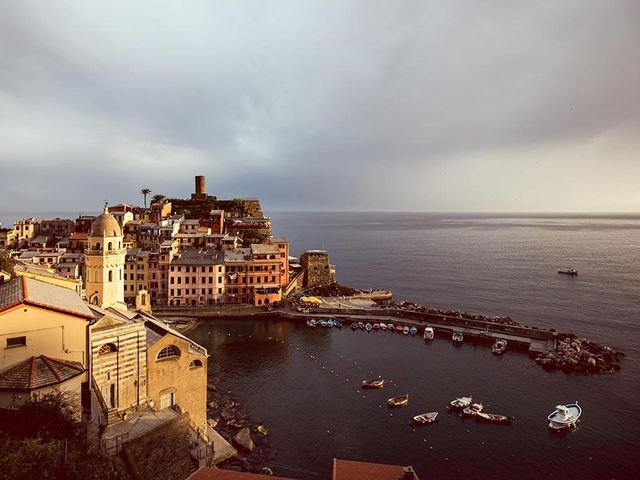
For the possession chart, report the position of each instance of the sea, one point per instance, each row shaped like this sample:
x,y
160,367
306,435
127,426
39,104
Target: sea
x,y
303,383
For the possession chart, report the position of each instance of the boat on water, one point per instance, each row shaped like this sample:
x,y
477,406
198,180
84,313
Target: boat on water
x,y
383,326
376,326
336,323
330,323
378,383
472,409
368,327
399,328
564,416
492,418
569,271
405,330
399,401
413,330
499,347
391,327
461,402
457,337
323,323
361,325
311,323
428,333
354,325
425,418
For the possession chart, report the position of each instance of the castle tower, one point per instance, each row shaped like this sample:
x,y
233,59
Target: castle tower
x,y
104,260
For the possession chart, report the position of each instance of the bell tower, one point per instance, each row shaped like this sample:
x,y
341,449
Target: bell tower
x,y
104,259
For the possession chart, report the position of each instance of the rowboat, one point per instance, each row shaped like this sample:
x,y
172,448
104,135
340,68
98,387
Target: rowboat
x,y
361,325
379,383
354,325
428,333
461,402
499,347
492,418
383,326
425,418
376,326
399,401
399,328
336,323
413,330
405,330
368,327
457,337
472,409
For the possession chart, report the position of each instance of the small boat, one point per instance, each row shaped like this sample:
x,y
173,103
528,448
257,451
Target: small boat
x,y
383,326
413,330
499,347
354,325
361,325
379,383
569,271
336,323
391,327
323,323
425,418
405,330
428,333
399,401
399,328
461,402
329,323
472,409
368,327
564,416
457,337
312,323
492,418
376,326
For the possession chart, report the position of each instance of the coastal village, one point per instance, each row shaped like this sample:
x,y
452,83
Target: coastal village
x,y
82,303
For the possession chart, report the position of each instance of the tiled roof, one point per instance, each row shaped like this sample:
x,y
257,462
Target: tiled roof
x,y
208,473
34,292
348,470
38,372
263,249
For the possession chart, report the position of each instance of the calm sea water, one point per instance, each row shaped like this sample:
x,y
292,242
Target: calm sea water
x,y
303,383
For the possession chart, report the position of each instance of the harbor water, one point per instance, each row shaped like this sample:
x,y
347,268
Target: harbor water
x,y
303,383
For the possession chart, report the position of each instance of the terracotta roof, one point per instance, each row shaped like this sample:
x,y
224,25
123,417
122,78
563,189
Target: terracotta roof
x,y
350,470
38,372
41,294
208,473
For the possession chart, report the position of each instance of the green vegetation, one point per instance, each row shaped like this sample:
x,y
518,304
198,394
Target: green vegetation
x,y
145,191
7,264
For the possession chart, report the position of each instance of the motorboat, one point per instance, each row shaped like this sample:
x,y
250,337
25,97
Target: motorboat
x,y
457,337
329,323
428,333
311,323
499,347
323,323
399,401
405,330
376,326
378,383
383,326
368,327
425,418
354,325
492,418
564,416
569,271
361,325
461,402
472,409
399,328
391,327
413,330
336,323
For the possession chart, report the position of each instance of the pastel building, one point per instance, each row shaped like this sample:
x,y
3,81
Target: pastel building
x,y
254,275
197,277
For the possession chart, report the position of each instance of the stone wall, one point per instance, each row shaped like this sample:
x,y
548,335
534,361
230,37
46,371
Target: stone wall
x,y
317,268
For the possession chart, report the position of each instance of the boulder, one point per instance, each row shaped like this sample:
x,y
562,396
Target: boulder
x,y
212,404
229,404
227,414
213,422
243,440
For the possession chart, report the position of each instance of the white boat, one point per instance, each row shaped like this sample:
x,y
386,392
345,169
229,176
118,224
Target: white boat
x,y
564,416
472,409
499,347
311,323
428,333
461,402
457,337
378,383
425,418
383,326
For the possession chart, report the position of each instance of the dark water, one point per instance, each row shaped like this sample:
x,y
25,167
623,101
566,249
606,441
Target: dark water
x,y
303,382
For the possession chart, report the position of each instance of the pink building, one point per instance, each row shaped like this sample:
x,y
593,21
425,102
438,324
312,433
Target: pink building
x,y
196,277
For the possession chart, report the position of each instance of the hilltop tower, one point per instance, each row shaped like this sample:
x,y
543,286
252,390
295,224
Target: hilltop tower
x,y
104,259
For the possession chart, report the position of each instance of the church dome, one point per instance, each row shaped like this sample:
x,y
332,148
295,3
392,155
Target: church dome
x,y
105,225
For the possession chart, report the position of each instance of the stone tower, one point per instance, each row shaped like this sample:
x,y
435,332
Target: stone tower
x,y
104,259
317,268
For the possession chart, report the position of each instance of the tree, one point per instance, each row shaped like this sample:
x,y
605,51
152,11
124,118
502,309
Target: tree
x,y
145,191
158,198
7,265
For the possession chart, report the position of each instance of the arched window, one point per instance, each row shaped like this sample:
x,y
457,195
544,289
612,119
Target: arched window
x,y
195,364
168,352
98,246
110,247
111,275
107,348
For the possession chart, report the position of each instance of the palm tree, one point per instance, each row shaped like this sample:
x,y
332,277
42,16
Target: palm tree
x,y
158,198
145,191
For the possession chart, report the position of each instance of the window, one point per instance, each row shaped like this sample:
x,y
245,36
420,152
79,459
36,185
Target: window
x,y
110,247
110,275
107,348
195,364
168,352
167,399
16,342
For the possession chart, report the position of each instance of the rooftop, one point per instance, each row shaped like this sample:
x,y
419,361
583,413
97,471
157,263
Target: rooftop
x,y
198,257
264,249
38,372
351,470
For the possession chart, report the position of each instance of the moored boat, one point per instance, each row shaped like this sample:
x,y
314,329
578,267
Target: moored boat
x,y
461,402
399,401
413,330
376,326
354,325
457,337
492,418
383,326
425,418
336,323
569,271
428,333
499,347
472,409
399,328
323,323
405,330
378,383
391,327
329,323
564,416
361,325
368,327
311,323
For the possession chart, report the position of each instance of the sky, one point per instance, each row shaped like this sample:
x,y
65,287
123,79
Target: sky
x,y
492,106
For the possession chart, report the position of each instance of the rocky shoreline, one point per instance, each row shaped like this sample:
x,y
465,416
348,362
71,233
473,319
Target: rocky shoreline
x,y
579,355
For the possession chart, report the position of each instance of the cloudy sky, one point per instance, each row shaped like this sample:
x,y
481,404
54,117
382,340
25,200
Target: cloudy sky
x,y
323,105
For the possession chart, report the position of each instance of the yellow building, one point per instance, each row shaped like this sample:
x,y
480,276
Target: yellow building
x,y
43,335
136,272
48,276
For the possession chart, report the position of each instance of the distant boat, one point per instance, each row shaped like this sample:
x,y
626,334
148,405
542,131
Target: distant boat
x,y
383,326
336,323
428,333
499,347
391,327
492,418
368,327
379,383
361,325
425,418
312,323
354,325
399,401
564,416
329,323
457,337
569,271
472,409
323,323
405,330
399,328
461,402
413,330
376,326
